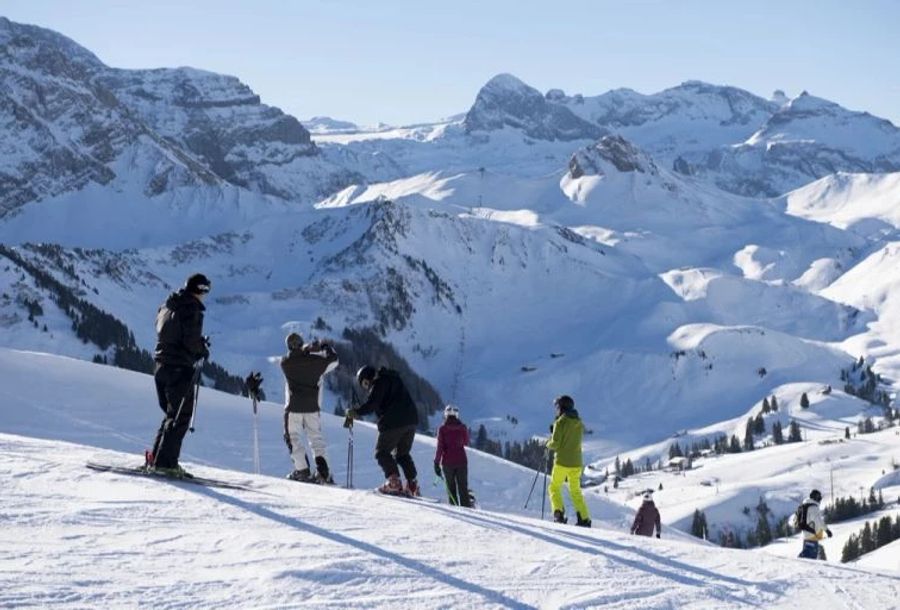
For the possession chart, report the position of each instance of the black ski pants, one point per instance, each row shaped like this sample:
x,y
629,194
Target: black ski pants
x,y
457,481
175,391
396,441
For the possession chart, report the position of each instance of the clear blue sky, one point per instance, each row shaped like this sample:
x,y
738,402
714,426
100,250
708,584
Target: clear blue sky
x,y
405,61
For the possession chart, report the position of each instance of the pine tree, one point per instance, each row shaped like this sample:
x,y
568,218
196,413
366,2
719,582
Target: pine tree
x,y
698,525
481,438
804,401
884,532
765,406
847,432
748,436
794,435
734,445
850,550
777,435
774,403
759,425
866,540
763,531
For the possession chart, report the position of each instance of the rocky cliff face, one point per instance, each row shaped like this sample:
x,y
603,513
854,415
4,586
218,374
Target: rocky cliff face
x,y
505,101
67,120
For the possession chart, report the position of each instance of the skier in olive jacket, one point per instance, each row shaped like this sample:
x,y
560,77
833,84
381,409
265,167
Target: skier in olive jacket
x,y
647,518
398,418
303,368
452,438
180,344
565,441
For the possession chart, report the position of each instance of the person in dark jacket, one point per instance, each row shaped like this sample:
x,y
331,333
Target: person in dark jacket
x,y
397,417
303,368
647,518
180,346
452,438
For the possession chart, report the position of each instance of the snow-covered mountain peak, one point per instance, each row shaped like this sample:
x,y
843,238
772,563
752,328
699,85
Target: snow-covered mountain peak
x,y
45,50
505,101
616,151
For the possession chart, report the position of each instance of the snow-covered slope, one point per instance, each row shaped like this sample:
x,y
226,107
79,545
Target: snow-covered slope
x,y
75,538
682,120
868,204
806,139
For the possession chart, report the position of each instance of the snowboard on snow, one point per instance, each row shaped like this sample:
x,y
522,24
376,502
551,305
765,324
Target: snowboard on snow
x,y
141,472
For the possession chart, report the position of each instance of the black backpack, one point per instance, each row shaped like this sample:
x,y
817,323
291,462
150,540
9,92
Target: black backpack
x,y
800,518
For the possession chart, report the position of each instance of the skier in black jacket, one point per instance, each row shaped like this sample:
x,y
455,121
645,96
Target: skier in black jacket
x,y
180,345
397,421
303,368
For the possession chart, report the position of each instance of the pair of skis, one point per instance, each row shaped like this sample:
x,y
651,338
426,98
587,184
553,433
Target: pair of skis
x,y
153,474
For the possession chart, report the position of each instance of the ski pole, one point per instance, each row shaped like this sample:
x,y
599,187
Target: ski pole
x,y
450,495
537,473
348,423
196,395
195,381
255,438
544,496
350,455
253,382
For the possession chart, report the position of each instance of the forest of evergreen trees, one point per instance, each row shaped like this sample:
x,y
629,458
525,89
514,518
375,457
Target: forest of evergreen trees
x,y
93,325
871,537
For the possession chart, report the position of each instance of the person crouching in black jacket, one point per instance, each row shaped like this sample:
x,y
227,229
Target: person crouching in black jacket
x,y
397,422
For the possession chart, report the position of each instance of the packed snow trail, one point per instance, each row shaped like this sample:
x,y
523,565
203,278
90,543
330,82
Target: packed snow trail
x,y
74,538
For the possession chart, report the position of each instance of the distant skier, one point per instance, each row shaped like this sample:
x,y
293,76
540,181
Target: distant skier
x,y
397,420
647,518
811,522
303,368
180,345
452,438
565,440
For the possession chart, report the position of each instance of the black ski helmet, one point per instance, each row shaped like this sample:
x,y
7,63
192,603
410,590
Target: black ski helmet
x,y
198,284
365,373
293,341
564,402
815,495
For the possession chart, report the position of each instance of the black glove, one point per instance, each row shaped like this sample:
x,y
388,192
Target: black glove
x,y
253,382
287,441
437,471
349,417
828,531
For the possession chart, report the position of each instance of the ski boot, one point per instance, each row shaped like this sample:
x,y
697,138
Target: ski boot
x,y
559,517
323,476
392,486
412,488
582,522
175,472
302,476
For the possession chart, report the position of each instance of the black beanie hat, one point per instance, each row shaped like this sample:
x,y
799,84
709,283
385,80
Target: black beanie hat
x,y
198,284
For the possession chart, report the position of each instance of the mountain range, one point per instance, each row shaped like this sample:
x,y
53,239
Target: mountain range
x,y
647,254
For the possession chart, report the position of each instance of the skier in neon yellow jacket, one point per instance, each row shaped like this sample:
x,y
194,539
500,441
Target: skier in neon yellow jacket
x,y
565,441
